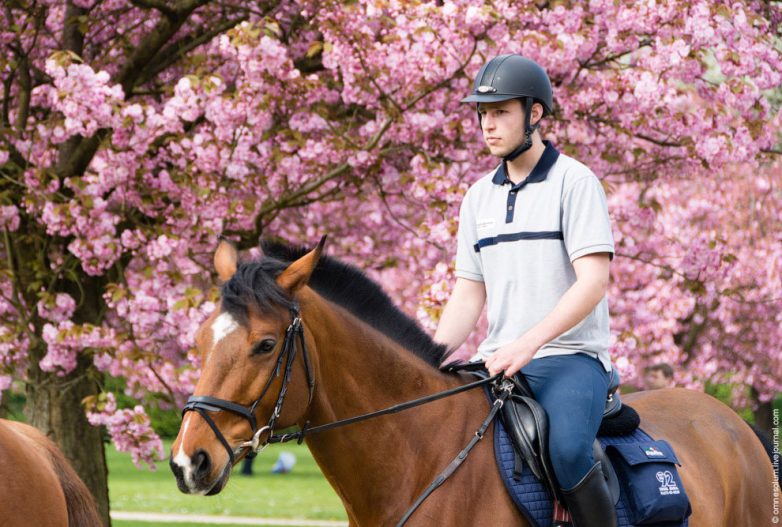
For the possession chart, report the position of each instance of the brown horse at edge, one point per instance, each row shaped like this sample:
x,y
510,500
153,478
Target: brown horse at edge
x,y
38,487
380,466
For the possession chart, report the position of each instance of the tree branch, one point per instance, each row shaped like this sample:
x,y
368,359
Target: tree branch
x,y
658,142
616,56
305,189
159,5
25,89
4,115
80,153
72,40
177,50
152,43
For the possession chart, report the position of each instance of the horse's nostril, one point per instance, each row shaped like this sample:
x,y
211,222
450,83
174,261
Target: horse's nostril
x,y
201,464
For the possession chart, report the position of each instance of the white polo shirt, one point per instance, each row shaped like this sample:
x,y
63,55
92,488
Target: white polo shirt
x,y
521,240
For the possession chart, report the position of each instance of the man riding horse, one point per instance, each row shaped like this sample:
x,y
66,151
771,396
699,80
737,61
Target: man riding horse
x,y
535,243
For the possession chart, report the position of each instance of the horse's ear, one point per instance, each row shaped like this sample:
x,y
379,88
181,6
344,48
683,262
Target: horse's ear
x,y
226,257
298,273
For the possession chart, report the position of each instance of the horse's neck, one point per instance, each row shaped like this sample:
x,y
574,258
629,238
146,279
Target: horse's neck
x,y
361,371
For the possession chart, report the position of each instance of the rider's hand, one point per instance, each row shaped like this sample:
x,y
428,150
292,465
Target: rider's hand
x,y
511,357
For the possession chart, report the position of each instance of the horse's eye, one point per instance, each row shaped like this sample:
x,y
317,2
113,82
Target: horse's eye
x,y
264,346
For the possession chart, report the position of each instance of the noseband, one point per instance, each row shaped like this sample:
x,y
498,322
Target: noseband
x,y
204,403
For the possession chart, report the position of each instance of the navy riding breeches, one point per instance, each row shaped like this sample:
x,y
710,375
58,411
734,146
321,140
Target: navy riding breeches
x,y
572,389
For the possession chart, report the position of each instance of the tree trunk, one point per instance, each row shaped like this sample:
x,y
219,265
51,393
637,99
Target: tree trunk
x,y
54,407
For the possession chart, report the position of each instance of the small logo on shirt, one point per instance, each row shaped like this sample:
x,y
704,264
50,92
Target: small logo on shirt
x,y
485,223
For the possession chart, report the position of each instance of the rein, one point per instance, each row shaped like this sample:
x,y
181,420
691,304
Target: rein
x,y
204,403
299,436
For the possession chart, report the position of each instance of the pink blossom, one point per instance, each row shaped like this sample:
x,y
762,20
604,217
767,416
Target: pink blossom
x,y
9,217
129,429
56,308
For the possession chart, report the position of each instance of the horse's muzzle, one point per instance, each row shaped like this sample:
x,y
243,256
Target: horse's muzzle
x,y
193,474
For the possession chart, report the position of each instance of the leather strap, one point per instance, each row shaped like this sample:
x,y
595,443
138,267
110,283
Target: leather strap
x,y
216,430
505,390
284,438
212,404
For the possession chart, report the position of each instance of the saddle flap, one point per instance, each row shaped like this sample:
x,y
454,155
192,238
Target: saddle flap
x,y
520,416
527,425
534,420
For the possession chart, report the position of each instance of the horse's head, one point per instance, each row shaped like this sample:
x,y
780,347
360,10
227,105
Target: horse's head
x,y
253,357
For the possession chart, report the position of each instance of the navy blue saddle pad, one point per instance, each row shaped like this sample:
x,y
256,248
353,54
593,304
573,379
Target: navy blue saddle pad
x,y
528,492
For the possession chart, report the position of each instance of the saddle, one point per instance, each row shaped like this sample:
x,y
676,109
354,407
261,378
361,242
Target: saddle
x,y
527,424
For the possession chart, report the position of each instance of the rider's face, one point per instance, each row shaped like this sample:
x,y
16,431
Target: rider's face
x,y
503,125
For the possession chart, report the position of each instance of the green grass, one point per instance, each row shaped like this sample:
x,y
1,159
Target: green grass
x,y
127,523
302,493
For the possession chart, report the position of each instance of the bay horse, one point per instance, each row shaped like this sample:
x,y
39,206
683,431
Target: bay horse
x,y
363,354
37,484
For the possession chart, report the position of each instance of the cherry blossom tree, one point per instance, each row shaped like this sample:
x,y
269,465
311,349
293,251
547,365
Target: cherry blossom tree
x,y
134,133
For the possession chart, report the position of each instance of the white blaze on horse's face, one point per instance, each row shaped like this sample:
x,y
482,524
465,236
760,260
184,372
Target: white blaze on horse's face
x,y
184,461
223,326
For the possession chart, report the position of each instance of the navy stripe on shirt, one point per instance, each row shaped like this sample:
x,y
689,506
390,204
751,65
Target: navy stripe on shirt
x,y
516,236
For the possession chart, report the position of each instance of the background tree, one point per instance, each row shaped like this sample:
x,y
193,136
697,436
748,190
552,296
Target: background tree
x,y
133,133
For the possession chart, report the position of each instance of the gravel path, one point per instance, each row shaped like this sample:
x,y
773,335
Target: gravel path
x,y
221,520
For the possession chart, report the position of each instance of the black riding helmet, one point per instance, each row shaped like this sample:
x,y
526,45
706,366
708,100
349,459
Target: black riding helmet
x,y
508,77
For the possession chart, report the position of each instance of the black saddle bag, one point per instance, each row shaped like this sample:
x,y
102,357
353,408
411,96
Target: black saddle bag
x,y
650,481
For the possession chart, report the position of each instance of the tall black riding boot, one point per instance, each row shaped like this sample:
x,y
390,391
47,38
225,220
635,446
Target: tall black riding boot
x,y
589,502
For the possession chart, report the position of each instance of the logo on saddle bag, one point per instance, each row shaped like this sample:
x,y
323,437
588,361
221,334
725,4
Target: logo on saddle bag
x,y
668,485
652,451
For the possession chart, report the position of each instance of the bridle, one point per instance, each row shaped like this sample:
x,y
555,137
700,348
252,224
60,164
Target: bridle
x,y
202,404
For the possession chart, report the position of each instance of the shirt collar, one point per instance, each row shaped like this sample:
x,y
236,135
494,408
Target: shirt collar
x,y
539,172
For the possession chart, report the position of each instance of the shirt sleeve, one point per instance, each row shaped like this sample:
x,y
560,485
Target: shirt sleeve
x,y
585,224
468,261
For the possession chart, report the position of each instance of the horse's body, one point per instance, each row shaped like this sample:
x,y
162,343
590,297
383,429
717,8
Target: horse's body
x,y
725,470
37,485
380,466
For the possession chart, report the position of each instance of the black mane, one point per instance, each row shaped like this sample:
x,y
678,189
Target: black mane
x,y
254,283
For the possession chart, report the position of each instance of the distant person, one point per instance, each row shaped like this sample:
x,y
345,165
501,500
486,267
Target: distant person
x,y
247,466
284,463
658,376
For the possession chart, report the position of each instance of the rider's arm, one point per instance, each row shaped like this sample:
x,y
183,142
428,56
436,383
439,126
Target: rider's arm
x,y
461,313
582,297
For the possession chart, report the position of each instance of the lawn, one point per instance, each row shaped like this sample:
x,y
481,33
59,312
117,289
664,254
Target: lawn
x,y
303,493
126,523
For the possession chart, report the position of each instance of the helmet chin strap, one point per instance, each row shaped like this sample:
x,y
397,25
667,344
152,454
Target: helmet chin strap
x,y
529,129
